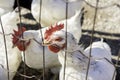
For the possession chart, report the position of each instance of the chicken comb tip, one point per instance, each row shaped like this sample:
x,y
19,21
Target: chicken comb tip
x,y
53,29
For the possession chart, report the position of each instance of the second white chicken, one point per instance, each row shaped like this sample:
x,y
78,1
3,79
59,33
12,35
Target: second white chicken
x,y
77,60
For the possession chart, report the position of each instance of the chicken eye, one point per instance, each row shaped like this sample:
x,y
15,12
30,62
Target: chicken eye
x,y
59,39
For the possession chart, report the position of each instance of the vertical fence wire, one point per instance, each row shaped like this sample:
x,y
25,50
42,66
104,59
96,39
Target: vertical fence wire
x,y
66,17
20,26
92,35
5,49
116,64
40,12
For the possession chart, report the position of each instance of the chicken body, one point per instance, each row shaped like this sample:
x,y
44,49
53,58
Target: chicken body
x,y
76,64
14,57
53,11
6,6
34,52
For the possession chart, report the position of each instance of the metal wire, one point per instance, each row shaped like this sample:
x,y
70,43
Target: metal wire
x,y
5,49
92,35
42,39
66,17
20,26
114,74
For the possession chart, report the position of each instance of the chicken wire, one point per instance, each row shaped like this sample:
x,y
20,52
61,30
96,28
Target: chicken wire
x,y
96,7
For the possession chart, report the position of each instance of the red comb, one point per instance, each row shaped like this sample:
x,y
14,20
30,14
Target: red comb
x,y
17,34
52,29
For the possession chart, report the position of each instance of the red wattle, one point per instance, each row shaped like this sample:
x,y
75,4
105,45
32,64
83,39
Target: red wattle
x,y
54,49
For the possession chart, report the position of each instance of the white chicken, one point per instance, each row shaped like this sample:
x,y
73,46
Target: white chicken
x,y
34,50
54,10
6,6
77,60
103,50
9,21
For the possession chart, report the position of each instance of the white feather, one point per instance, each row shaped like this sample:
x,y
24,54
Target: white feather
x,y
34,52
54,10
6,6
14,57
77,60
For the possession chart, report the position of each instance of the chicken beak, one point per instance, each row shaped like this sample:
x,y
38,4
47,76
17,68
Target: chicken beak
x,y
46,43
13,46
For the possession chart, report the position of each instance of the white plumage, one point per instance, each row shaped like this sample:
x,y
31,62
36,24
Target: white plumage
x,y
103,50
54,10
77,59
6,6
74,24
34,52
14,57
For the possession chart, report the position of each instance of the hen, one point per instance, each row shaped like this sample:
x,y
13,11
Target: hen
x,y
54,10
9,21
77,59
6,6
34,50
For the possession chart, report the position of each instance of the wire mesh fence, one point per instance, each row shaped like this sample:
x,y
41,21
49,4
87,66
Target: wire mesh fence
x,y
98,6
